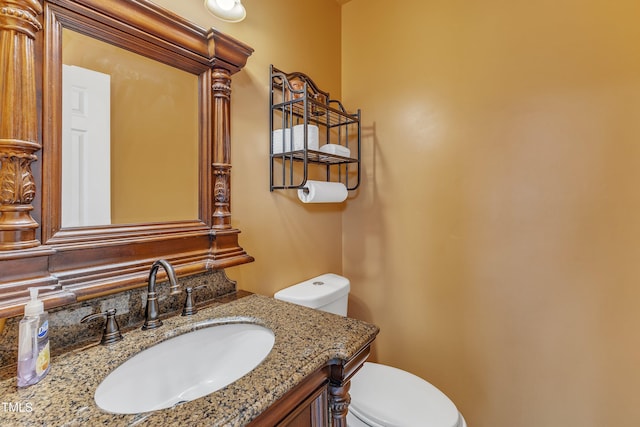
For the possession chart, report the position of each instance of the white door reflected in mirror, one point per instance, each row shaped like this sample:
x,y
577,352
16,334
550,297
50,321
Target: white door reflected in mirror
x,y
86,147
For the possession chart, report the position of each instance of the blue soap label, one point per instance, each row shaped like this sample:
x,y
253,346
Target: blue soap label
x,y
42,331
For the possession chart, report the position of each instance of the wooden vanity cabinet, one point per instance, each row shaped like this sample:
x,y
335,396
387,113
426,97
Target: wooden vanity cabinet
x,y
307,405
312,412
320,400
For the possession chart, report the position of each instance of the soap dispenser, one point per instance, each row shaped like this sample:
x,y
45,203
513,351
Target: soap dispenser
x,y
33,341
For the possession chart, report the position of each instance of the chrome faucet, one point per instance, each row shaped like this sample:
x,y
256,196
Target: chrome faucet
x,y
151,318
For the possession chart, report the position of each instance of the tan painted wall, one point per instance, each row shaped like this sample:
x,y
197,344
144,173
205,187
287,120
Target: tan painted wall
x,y
496,237
290,241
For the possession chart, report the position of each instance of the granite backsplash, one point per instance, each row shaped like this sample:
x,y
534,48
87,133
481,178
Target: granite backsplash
x,y
67,333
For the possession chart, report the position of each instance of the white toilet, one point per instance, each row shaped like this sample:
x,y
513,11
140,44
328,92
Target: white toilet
x,y
381,396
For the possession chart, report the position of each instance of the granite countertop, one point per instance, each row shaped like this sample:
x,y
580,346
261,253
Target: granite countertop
x,y
305,340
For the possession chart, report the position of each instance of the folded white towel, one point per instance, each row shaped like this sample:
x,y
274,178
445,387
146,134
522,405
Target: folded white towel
x,y
279,143
337,149
312,137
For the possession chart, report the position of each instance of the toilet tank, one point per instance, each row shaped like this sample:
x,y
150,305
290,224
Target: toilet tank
x,y
327,292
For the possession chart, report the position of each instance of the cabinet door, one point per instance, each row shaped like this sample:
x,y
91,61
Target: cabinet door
x,y
312,412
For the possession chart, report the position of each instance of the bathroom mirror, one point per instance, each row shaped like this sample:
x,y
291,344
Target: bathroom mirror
x,y
183,217
129,136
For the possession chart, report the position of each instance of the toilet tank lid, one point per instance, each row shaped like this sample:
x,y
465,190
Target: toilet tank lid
x,y
316,292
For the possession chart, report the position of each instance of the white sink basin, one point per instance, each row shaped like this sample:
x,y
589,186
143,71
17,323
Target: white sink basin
x,y
184,368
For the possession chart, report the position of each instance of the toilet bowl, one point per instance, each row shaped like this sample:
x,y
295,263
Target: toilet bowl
x,y
381,396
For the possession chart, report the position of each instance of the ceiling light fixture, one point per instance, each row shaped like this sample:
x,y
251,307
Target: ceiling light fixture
x,y
226,10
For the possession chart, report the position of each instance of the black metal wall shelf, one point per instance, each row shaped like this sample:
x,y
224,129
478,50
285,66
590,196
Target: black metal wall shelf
x,y
297,108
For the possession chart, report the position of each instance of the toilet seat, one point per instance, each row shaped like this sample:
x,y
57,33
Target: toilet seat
x,y
383,396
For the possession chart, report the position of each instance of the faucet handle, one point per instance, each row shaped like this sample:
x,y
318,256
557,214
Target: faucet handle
x,y
111,332
189,307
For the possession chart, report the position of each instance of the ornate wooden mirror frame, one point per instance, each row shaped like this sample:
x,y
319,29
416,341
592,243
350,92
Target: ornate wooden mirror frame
x,y
88,262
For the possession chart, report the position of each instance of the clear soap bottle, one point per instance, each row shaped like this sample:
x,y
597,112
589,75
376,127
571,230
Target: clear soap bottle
x,y
33,341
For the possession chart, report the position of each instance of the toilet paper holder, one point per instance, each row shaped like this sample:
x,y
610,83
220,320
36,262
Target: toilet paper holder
x,y
323,192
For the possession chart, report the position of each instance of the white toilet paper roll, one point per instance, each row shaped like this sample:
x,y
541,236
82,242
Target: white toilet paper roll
x,y
323,192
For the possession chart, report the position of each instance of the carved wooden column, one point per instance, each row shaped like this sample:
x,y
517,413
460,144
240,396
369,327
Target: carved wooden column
x,y
221,86
339,400
18,122
229,57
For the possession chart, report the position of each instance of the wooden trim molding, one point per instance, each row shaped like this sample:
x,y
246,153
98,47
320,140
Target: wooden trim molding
x,y
87,262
